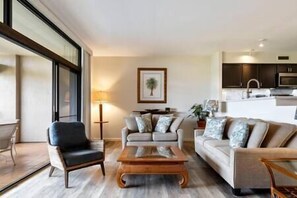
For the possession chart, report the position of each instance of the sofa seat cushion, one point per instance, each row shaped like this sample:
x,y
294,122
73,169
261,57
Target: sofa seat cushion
x,y
142,137
221,153
169,136
201,139
73,158
217,143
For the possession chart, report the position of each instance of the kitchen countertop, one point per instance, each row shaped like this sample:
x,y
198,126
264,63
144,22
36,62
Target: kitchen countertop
x,y
280,100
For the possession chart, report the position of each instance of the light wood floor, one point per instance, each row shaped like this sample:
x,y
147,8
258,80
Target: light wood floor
x,y
89,182
29,158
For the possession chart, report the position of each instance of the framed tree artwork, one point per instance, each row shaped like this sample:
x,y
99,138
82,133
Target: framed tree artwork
x,y
152,85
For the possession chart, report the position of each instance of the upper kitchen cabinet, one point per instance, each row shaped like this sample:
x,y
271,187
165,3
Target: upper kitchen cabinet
x,y
285,68
232,75
249,71
267,74
238,75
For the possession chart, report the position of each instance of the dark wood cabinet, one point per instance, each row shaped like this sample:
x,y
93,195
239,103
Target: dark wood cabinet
x,y
267,75
232,76
238,75
287,68
249,71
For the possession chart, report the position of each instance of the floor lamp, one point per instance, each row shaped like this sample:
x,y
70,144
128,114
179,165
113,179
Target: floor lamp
x,y
101,97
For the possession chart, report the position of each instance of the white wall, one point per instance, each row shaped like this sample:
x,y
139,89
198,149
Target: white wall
x,y
216,76
86,92
36,98
7,87
188,82
258,57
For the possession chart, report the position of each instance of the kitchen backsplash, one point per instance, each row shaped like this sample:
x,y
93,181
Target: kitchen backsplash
x,y
237,94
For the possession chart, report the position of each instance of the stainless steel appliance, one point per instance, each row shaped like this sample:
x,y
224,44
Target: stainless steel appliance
x,y
287,80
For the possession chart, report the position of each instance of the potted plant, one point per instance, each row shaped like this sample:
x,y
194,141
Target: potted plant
x,y
197,112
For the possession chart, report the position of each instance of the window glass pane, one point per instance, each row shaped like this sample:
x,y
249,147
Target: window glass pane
x,y
34,28
67,95
1,10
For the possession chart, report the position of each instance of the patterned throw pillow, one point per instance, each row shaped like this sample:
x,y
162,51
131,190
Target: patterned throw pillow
x,y
163,124
239,135
144,123
215,127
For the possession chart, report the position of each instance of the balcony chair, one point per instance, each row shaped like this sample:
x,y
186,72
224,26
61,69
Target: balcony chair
x,y
7,131
69,149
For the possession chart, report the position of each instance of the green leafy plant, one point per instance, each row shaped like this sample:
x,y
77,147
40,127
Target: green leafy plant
x,y
197,112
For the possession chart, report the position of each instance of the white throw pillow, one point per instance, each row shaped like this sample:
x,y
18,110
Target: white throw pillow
x,y
215,127
163,124
239,135
144,123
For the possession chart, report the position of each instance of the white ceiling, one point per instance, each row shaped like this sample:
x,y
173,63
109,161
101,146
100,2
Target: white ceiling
x,y
176,27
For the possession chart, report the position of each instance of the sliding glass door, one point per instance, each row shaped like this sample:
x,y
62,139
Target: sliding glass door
x,y
67,92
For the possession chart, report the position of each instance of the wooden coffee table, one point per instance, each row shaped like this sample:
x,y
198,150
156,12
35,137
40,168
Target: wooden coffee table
x,y
152,163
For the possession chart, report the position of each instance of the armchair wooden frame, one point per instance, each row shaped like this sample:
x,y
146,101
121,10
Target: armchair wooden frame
x,y
57,160
279,191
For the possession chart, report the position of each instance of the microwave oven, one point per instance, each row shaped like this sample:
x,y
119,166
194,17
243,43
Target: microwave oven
x,y
287,80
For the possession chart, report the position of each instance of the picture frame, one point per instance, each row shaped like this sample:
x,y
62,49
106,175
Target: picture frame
x,y
152,85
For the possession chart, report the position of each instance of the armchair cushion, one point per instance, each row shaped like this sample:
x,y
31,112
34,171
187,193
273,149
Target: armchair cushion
x,y
68,135
78,157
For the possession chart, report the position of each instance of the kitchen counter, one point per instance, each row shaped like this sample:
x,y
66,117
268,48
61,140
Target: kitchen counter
x,y
279,100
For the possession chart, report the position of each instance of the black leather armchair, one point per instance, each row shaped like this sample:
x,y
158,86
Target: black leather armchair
x,y
69,149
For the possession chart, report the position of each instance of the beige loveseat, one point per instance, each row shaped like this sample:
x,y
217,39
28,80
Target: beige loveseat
x,y
173,137
241,167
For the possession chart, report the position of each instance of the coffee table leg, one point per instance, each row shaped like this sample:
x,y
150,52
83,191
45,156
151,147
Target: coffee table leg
x,y
120,181
184,180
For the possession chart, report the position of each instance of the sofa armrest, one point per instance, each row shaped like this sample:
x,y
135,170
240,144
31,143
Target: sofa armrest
x,y
56,158
198,132
125,133
247,167
180,138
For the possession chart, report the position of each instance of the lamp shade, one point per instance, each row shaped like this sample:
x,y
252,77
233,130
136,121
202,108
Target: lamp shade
x,y
100,96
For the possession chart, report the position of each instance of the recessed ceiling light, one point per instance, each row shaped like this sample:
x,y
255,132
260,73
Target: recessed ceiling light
x,y
261,44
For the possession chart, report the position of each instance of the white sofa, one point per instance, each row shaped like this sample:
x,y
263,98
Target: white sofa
x,y
173,137
241,167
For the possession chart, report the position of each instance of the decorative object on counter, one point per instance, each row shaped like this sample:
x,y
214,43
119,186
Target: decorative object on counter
x,y
101,97
197,112
211,106
152,85
167,109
